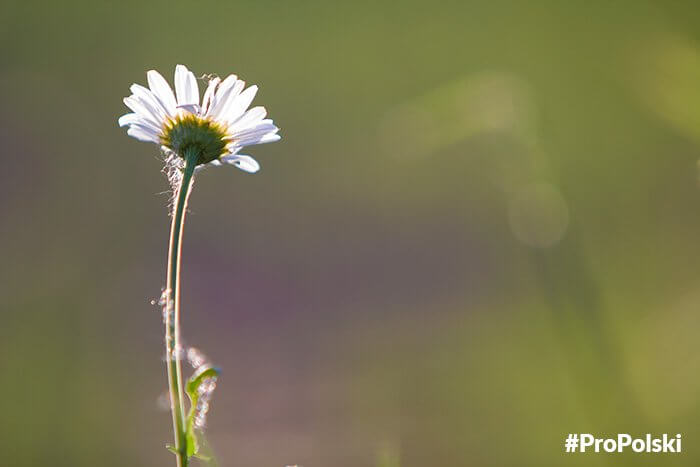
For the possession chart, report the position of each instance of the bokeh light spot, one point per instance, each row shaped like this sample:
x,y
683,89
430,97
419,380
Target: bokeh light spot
x,y
538,215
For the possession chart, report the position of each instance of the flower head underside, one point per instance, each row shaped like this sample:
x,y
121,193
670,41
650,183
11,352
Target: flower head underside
x,y
217,128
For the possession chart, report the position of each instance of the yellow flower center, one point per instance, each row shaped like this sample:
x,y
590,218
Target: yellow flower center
x,y
189,132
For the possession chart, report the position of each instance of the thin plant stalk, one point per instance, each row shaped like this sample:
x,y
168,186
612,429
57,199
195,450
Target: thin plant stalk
x,y
172,315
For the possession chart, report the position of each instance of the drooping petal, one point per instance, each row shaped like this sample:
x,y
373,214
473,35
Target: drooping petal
x,y
186,86
243,162
162,91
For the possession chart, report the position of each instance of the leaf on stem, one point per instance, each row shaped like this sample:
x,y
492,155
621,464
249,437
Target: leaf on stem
x,y
195,390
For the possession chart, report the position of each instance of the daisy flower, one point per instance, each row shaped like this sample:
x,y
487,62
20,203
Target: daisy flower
x,y
212,131
194,134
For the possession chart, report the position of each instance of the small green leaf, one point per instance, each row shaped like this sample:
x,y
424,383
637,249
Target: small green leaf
x,y
192,388
202,373
171,448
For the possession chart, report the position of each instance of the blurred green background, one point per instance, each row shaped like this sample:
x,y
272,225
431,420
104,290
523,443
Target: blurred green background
x,y
479,233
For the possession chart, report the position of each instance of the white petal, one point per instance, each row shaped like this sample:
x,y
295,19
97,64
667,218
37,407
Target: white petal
x,y
263,126
267,138
251,118
253,140
161,90
148,97
225,110
270,138
186,86
228,89
148,129
191,108
142,110
142,134
209,94
259,130
128,119
240,104
243,162
135,119
149,100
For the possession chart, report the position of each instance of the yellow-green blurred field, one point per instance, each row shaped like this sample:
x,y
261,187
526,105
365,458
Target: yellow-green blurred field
x,y
480,232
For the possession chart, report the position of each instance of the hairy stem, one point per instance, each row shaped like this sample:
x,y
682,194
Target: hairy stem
x,y
172,315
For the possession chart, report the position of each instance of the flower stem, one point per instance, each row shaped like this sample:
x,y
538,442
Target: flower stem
x,y
172,315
